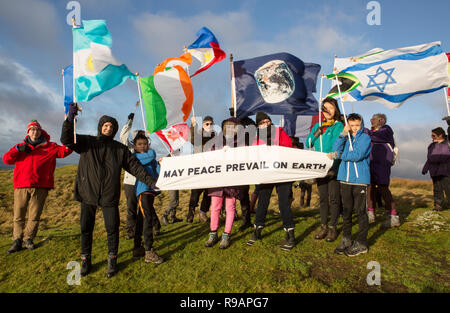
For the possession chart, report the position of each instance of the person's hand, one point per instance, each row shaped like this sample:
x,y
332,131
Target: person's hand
x,y
332,155
24,148
346,128
73,111
160,160
193,121
131,116
318,132
423,172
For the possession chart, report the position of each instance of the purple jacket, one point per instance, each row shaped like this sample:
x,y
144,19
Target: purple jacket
x,y
381,155
438,159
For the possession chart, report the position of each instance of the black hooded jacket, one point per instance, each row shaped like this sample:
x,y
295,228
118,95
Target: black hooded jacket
x,y
101,161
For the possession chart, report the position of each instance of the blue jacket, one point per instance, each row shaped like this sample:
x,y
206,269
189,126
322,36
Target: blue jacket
x,y
359,156
148,160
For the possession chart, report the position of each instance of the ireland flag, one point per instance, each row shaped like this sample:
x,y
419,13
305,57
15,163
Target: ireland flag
x,y
167,95
95,69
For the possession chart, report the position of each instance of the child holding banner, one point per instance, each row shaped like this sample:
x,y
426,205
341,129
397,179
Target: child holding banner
x,y
146,196
230,194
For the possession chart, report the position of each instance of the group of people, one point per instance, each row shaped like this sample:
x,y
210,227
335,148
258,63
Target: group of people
x,y
362,160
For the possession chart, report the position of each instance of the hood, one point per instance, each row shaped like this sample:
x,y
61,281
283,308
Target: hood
x,y
135,132
363,129
104,119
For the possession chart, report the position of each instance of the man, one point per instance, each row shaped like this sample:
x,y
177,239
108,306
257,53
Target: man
x,y
198,139
98,182
381,156
35,161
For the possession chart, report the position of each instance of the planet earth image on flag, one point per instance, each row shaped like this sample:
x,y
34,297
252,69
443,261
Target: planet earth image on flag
x,y
275,81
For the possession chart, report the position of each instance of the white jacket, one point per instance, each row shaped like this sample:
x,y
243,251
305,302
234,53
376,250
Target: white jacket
x,y
124,133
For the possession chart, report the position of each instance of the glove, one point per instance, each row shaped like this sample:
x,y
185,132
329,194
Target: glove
x,y
24,148
73,111
131,116
318,132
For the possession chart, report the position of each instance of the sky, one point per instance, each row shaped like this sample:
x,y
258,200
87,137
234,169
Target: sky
x,y
36,43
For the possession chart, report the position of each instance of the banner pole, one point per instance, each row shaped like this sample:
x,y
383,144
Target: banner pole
x,y
320,109
233,87
74,25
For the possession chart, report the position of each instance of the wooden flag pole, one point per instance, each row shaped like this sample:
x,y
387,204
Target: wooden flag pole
x,y
320,109
74,25
233,87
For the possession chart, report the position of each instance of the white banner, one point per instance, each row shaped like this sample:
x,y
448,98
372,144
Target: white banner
x,y
241,166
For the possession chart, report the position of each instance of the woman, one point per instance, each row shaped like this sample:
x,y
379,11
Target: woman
x,y
438,164
322,139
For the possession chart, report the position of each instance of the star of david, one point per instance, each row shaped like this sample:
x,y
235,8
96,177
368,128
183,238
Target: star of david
x,y
382,85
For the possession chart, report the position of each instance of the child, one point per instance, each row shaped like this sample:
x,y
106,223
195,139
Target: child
x,y
354,177
146,196
438,164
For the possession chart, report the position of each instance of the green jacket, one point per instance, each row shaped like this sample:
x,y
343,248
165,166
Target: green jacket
x,y
328,139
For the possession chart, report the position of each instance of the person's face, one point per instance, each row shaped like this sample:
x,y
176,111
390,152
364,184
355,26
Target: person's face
x,y
375,121
264,123
141,145
329,111
34,133
437,138
107,129
207,126
354,125
229,129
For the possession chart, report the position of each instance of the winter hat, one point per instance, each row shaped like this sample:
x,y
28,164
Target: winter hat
x,y
105,119
33,123
260,116
208,118
233,120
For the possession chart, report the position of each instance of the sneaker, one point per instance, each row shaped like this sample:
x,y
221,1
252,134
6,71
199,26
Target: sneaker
x,y
290,240
322,233
356,249
152,257
16,246
212,240
392,221
203,217
86,265
225,243
29,244
256,235
138,252
345,243
371,216
112,265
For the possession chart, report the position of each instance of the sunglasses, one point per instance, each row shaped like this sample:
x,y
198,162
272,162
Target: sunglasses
x,y
207,124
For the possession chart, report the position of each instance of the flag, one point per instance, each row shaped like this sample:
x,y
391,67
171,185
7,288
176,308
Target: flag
x,y
68,87
184,61
168,98
175,136
448,67
275,84
391,76
206,49
95,68
300,125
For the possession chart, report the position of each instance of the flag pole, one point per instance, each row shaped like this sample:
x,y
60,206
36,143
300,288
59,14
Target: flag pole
x,y
64,90
74,25
233,90
185,51
446,100
320,109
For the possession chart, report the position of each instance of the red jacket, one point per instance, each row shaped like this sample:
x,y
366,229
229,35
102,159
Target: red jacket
x,y
35,168
281,139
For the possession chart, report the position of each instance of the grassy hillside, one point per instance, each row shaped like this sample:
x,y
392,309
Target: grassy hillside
x,y
413,257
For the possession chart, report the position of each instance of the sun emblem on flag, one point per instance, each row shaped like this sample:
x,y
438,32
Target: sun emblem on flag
x,y
381,85
207,56
89,64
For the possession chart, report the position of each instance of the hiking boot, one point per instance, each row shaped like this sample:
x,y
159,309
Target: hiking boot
x,y
152,257
203,217
290,239
190,216
322,233
16,246
371,215
164,220
356,249
86,265
225,243
138,252
112,265
392,221
256,235
175,220
345,243
212,240
29,244
332,234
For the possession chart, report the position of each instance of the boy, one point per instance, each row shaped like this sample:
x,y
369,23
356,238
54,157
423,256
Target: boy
x,y
146,196
354,177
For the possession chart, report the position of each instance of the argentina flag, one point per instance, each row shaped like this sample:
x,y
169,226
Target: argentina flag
x,y
274,84
391,76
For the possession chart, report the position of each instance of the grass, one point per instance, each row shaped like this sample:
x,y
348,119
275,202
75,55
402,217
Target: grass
x,y
411,260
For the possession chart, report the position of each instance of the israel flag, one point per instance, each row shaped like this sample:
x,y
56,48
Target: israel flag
x,y
391,76
95,69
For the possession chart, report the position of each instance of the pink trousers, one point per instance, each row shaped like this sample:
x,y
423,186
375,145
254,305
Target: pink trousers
x,y
230,208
